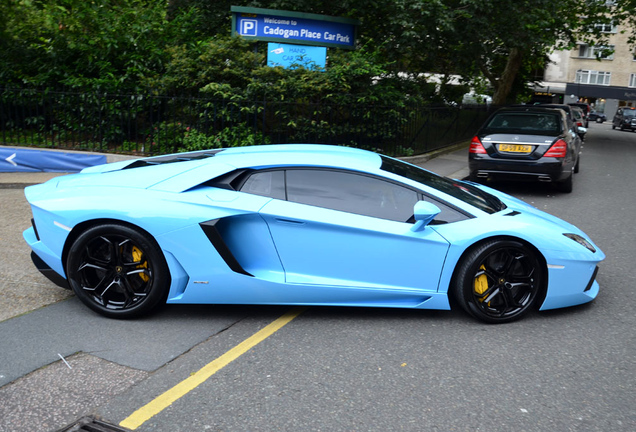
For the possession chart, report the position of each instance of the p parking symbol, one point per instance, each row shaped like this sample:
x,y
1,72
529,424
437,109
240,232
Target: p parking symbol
x,y
248,27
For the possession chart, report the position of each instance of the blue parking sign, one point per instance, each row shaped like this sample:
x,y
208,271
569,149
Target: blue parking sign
x,y
289,56
249,27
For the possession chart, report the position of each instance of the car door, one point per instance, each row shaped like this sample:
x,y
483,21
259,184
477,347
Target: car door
x,y
344,229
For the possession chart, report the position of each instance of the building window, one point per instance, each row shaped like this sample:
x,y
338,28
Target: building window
x,y
632,80
606,28
596,52
592,77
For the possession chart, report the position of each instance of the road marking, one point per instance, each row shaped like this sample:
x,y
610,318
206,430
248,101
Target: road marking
x,y
166,399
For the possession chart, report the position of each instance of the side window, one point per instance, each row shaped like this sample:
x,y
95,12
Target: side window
x,y
266,183
352,193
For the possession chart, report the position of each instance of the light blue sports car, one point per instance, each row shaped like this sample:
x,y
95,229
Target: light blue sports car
x,y
302,225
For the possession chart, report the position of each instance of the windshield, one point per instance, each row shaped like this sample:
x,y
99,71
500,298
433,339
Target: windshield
x,y
460,190
528,123
630,113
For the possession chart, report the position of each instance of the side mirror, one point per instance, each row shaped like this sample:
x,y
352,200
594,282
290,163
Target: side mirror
x,y
424,212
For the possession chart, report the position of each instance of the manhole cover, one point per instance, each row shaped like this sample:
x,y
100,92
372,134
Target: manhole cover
x,y
92,424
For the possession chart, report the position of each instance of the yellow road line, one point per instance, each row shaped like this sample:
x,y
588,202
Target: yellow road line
x,y
166,399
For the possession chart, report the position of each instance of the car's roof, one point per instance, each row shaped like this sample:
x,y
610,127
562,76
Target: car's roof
x,y
527,108
559,106
258,156
300,154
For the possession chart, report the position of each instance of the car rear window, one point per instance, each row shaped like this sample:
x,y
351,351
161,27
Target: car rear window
x,y
525,123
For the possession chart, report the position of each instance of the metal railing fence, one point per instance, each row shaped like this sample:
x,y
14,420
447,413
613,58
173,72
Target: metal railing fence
x,y
151,125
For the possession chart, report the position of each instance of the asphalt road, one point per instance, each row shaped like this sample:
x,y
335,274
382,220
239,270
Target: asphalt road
x,y
346,369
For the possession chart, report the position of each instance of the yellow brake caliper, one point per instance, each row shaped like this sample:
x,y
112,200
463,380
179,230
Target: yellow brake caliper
x,y
481,283
136,254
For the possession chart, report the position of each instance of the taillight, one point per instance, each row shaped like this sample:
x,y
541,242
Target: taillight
x,y
558,149
476,147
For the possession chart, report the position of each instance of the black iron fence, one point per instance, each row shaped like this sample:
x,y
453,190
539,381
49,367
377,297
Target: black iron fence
x,y
149,125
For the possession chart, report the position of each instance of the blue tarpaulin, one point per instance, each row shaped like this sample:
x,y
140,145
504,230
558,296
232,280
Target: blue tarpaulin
x,y
25,160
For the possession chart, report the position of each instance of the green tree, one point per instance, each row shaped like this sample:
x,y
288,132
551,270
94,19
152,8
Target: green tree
x,y
100,44
505,39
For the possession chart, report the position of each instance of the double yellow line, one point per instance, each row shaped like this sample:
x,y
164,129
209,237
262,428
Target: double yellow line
x,y
166,399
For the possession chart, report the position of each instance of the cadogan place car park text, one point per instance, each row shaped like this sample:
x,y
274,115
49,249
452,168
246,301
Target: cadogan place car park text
x,y
302,225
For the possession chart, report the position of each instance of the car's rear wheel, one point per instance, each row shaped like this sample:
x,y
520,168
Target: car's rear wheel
x,y
117,271
566,185
499,281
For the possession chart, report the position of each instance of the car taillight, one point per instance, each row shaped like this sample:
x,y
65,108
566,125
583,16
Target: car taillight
x,y
476,147
558,149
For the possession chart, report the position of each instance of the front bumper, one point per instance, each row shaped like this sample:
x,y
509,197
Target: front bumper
x,y
47,271
571,285
45,260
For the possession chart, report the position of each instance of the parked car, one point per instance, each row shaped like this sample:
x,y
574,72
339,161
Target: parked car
x,y
302,225
625,118
579,122
526,143
586,108
564,107
597,116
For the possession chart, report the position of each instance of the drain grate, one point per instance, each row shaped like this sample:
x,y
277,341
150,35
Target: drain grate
x,y
92,424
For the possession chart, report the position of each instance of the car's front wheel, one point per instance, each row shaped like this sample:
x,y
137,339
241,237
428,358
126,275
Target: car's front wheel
x,y
117,271
499,281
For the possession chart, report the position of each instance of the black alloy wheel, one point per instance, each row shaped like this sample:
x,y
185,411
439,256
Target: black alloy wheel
x,y
117,271
499,281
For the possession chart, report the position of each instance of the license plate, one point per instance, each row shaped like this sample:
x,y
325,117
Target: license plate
x,y
515,148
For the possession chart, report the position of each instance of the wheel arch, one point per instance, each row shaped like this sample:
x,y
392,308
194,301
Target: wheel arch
x,y
83,226
540,257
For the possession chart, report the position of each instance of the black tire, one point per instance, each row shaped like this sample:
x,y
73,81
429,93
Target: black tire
x,y
499,281
566,185
577,166
613,126
117,271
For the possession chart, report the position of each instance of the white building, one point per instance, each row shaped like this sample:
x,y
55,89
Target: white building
x,y
593,74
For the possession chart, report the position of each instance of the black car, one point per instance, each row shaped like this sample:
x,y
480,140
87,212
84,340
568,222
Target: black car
x,y
567,108
597,116
526,143
579,121
585,107
625,118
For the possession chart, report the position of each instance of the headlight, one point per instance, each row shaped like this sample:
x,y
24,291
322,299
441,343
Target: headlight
x,y
582,241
